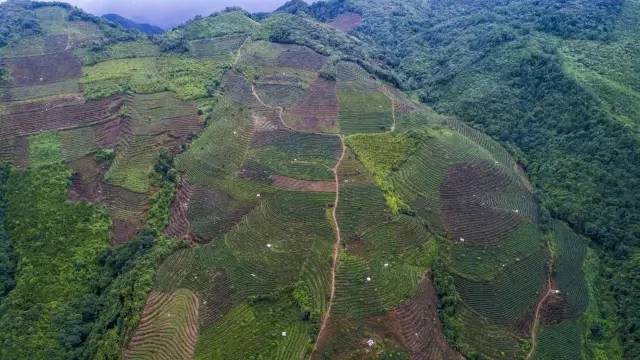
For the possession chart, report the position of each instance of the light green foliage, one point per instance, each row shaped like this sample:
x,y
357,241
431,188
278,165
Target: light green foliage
x,y
25,46
188,78
223,23
218,24
381,154
44,149
52,19
119,50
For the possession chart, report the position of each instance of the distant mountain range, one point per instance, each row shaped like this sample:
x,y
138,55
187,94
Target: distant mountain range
x,y
130,24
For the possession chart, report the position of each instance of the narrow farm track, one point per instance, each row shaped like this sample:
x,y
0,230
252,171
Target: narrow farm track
x,y
536,320
336,247
338,241
393,108
239,52
280,108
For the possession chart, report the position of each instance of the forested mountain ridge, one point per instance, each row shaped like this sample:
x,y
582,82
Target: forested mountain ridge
x,y
255,186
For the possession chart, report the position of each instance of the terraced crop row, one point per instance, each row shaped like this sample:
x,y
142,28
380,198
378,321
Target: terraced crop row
x,y
219,48
61,114
168,327
317,111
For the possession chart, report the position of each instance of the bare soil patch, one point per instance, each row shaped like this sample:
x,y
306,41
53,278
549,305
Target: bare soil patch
x,y
301,57
43,69
347,22
179,225
58,114
416,324
122,231
318,110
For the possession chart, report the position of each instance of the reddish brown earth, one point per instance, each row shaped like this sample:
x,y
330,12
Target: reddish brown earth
x,y
122,231
109,133
466,193
59,114
179,225
287,183
127,209
43,69
318,110
86,181
417,326
347,22
301,57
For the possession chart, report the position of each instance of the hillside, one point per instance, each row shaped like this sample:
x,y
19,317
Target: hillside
x,y
556,83
243,189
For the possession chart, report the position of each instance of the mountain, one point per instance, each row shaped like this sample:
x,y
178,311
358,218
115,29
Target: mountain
x,y
130,24
555,83
341,180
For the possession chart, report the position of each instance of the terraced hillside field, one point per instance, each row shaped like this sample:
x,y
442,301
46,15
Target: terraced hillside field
x,y
313,210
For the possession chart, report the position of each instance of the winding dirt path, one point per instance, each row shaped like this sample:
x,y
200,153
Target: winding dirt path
x,y
336,248
336,225
551,290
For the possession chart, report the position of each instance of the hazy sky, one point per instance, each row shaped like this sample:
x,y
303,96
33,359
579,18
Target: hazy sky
x,y
168,13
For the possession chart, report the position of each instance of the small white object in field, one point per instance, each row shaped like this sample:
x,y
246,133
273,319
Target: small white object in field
x,y
235,133
284,333
370,342
269,245
253,275
461,239
204,302
257,195
368,278
386,264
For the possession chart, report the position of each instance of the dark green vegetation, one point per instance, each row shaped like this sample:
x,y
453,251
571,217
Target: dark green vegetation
x,y
256,187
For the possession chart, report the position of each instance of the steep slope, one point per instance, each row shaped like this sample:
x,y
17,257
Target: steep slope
x,y
293,201
552,80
